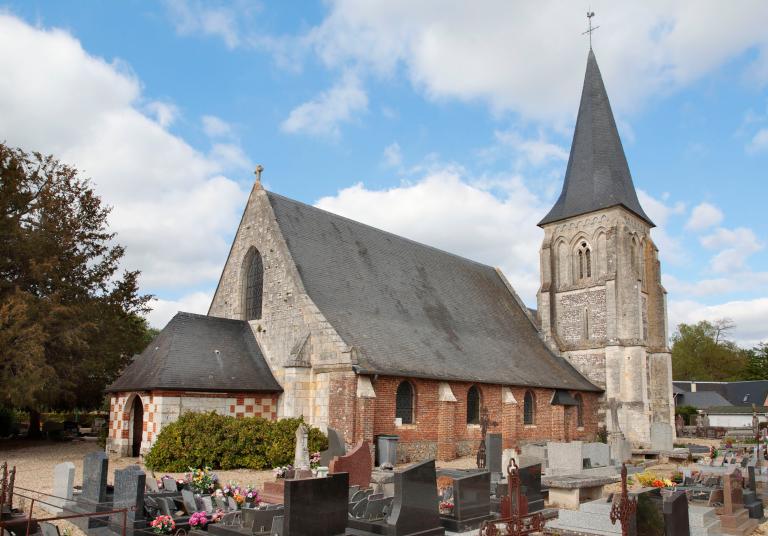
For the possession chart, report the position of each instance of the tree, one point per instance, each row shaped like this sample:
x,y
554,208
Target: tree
x,y
701,352
68,321
757,367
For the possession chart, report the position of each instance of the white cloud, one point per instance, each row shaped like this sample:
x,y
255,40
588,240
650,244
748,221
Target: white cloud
x,y
749,316
194,17
671,248
735,245
393,155
732,282
322,115
163,310
704,216
444,210
165,112
483,52
759,142
215,127
529,151
173,209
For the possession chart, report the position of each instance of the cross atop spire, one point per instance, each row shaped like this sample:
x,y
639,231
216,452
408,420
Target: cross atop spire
x,y
257,172
590,14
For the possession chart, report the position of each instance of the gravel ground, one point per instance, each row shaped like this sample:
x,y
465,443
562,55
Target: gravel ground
x,y
35,461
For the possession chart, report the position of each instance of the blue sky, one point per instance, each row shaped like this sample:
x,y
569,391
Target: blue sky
x,y
446,122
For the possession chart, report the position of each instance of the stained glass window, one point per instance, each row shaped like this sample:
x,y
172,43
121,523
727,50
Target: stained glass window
x,y
254,286
404,402
473,405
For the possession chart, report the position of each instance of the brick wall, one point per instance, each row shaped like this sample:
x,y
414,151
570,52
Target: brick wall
x,y
163,407
426,436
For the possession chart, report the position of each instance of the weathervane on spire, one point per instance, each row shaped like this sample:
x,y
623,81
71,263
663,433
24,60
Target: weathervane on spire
x,y
590,14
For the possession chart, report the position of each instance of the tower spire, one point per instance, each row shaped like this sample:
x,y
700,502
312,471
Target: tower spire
x,y
597,175
590,14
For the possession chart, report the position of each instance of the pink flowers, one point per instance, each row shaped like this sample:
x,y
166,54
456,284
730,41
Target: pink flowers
x,y
314,460
163,525
198,520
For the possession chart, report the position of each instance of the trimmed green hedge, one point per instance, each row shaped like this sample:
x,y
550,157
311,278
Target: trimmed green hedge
x,y
221,442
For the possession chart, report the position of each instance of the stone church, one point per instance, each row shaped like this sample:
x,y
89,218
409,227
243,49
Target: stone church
x,y
370,333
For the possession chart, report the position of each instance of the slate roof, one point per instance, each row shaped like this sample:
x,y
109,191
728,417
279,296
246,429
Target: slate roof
x,y
597,175
184,356
701,399
736,410
413,310
743,393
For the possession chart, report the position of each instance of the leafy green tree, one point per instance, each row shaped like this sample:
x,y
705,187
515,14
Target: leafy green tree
x,y
757,367
68,321
702,352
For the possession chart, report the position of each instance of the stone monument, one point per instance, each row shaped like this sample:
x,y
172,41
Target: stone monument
x,y
621,450
301,456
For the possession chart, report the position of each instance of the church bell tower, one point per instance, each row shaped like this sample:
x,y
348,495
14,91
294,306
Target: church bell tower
x,y
601,302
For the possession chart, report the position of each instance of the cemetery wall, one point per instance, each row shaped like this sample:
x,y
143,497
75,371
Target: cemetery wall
x,y
163,407
421,439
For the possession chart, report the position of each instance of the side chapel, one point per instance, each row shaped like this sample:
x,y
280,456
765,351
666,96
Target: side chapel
x,y
370,333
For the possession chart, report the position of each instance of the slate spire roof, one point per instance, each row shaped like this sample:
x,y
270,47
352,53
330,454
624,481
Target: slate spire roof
x,y
597,175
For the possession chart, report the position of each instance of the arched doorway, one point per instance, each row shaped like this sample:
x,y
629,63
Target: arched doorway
x,y
137,417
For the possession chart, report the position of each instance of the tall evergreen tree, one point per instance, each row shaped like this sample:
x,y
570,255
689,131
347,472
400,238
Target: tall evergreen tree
x,y
68,321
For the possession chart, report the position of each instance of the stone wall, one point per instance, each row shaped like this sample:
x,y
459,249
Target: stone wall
x,y
164,407
571,309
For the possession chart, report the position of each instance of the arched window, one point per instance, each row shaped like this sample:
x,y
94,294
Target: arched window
x,y
579,411
473,405
584,260
254,286
404,402
528,408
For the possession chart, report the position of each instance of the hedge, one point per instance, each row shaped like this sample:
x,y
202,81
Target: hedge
x,y
222,442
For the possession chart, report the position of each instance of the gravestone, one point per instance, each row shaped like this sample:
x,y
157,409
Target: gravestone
x,y
95,467
493,451
564,458
129,493
530,486
662,436
190,505
414,509
357,463
675,508
734,518
599,454
63,480
471,495
316,506
301,454
649,518
169,484
336,447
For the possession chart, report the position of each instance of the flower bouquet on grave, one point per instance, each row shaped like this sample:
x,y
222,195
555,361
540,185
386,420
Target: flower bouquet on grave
x,y
314,462
280,472
198,520
201,480
217,515
252,496
163,525
446,508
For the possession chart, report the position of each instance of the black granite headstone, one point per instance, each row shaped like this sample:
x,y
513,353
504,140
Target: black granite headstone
x,y
317,506
471,495
751,478
530,486
675,508
95,467
336,447
650,514
493,452
415,506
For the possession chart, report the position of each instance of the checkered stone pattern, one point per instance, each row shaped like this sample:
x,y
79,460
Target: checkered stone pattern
x,y
118,420
253,406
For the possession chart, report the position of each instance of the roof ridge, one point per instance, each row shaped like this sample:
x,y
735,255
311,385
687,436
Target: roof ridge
x,y
209,317
390,233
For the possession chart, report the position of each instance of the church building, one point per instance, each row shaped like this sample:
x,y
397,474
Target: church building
x,y
370,333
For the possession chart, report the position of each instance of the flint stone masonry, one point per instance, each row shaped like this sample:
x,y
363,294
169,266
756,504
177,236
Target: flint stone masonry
x,y
572,308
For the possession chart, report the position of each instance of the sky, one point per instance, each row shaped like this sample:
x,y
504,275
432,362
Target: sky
x,y
447,122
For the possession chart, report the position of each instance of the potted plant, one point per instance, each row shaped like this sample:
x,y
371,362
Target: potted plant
x,y
163,525
198,521
201,480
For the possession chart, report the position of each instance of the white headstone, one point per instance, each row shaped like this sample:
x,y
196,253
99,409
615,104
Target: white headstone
x,y
598,453
301,455
63,480
564,458
662,436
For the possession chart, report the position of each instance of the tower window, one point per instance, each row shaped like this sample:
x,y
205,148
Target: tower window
x,y
404,402
584,257
473,405
254,286
528,408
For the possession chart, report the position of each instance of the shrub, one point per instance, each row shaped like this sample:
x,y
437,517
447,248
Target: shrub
x,y
221,442
7,421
